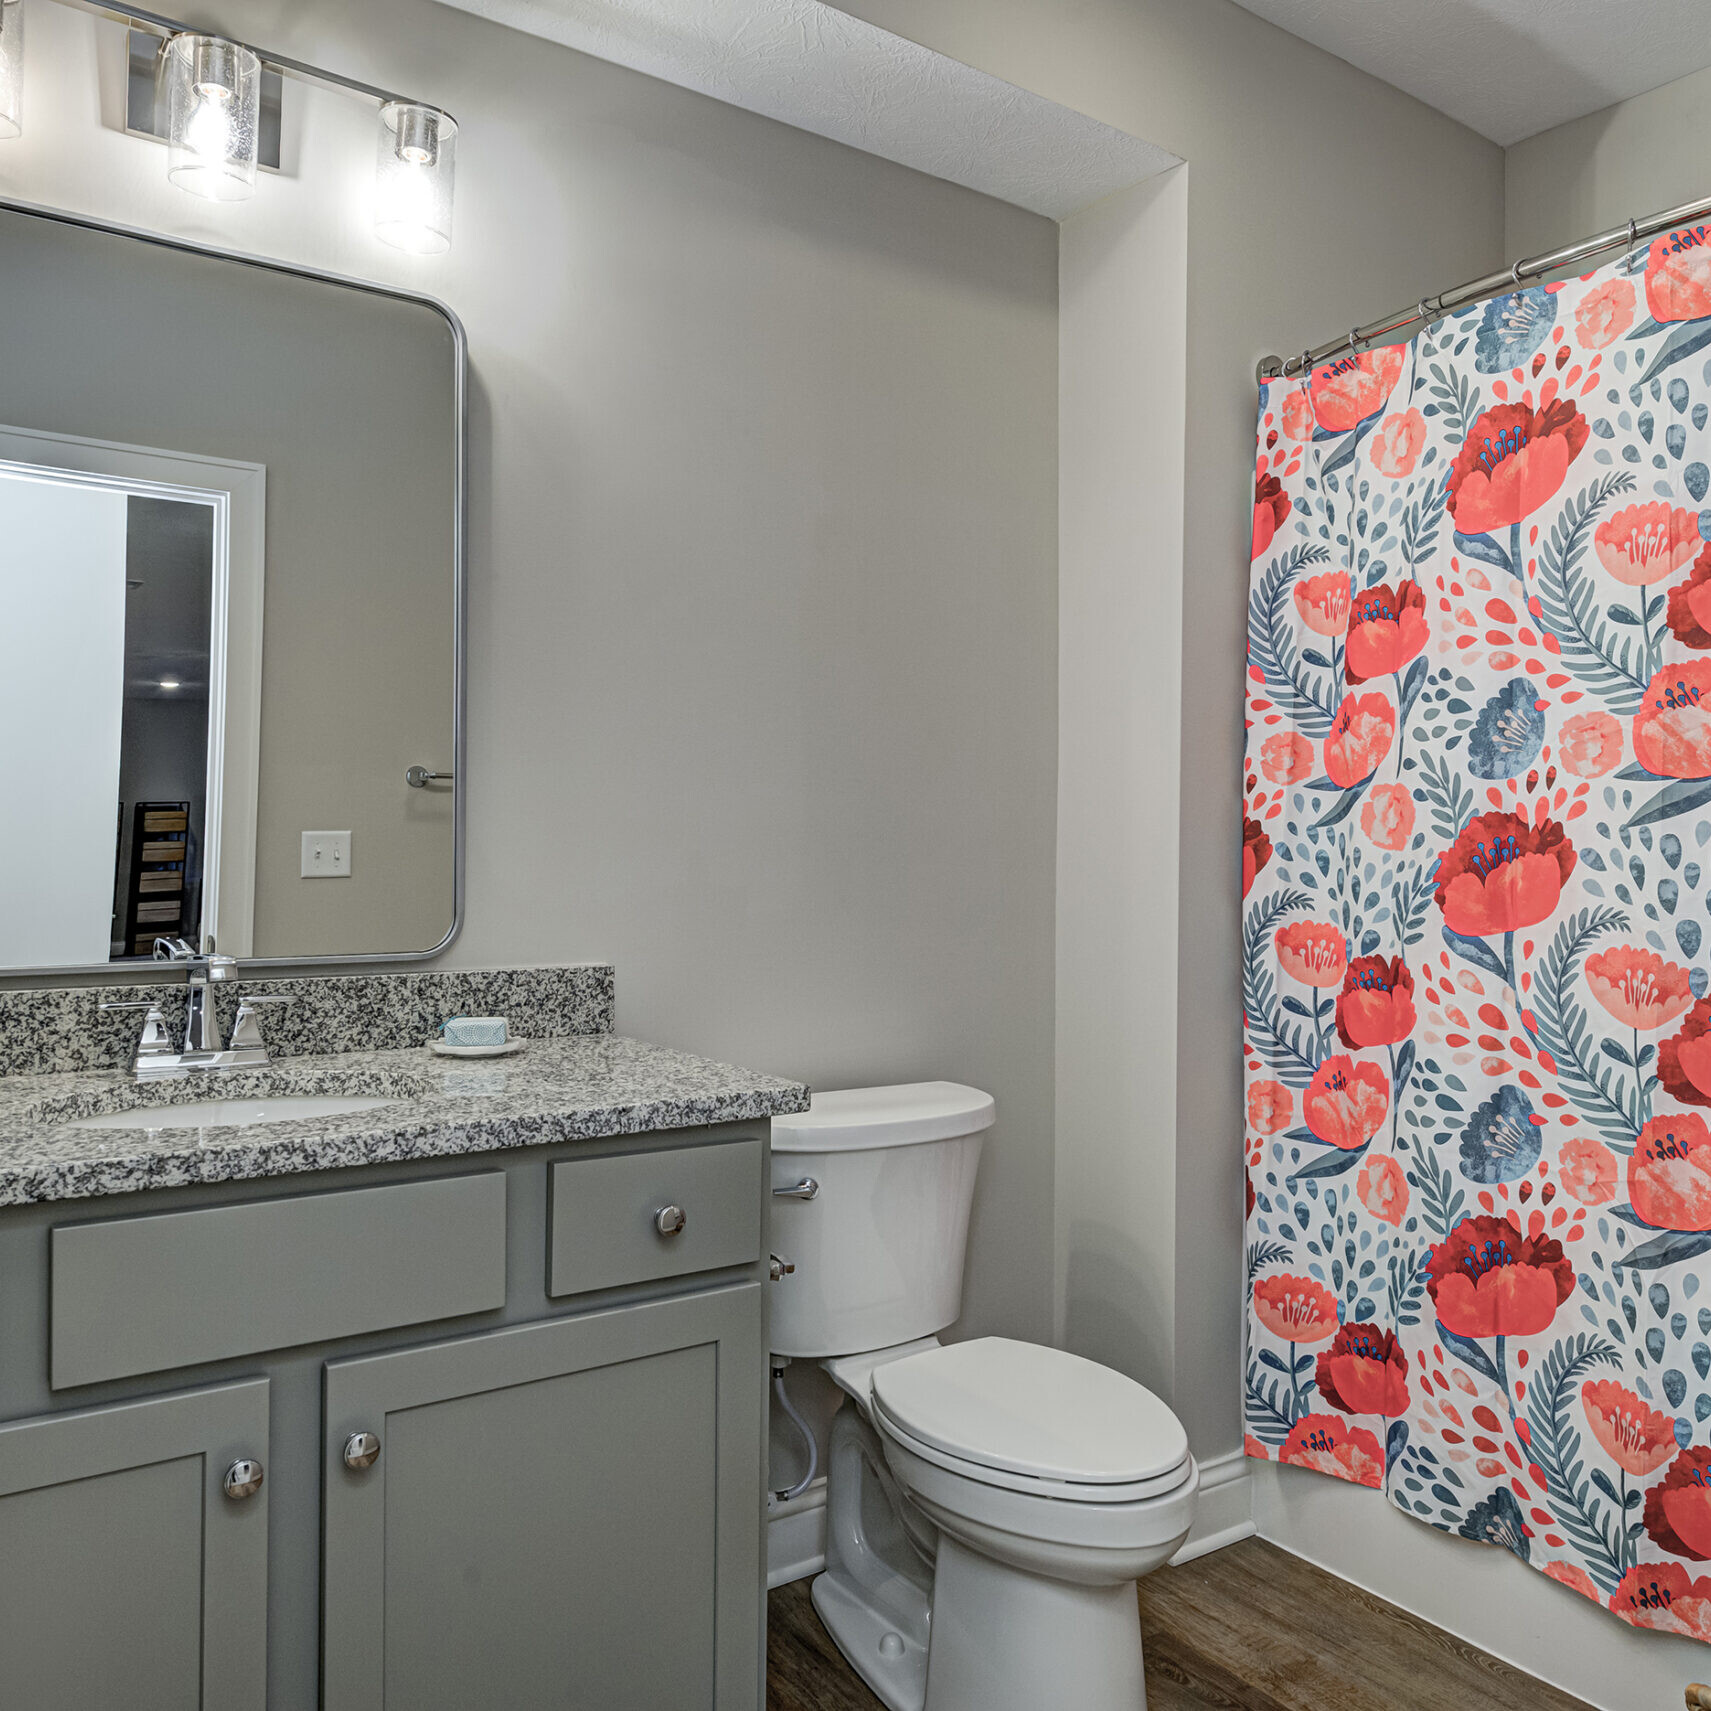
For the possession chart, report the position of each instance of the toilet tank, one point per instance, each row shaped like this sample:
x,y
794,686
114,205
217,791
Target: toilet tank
x,y
878,1250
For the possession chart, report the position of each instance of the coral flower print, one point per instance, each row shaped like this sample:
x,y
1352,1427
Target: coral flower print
x,y
1647,543
1271,508
1587,1169
1329,1444
1364,1371
1297,415
1514,459
1256,852
1684,1060
1398,442
1590,744
1376,1005
1348,391
1669,1173
1313,952
1346,1102
1634,1435
1361,735
1672,730
1323,602
1678,275
1502,874
1487,1280
1678,1508
1689,613
1286,758
1271,1106
1663,1596
1296,1309
1387,628
1387,816
1638,987
1383,1189
1604,314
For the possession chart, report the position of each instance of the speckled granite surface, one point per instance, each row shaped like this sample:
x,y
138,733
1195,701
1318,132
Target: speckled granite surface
x,y
579,1087
61,1030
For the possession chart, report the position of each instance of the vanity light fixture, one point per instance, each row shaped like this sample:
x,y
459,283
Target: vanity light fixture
x,y
212,90
413,175
170,683
11,68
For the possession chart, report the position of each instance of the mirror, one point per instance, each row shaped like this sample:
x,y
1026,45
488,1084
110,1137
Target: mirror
x,y
231,573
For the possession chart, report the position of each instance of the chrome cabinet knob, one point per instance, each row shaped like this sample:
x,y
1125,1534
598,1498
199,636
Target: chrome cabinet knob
x,y
669,1220
243,1479
362,1450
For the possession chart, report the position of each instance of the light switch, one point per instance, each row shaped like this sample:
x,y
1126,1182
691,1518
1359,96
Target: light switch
x,y
326,855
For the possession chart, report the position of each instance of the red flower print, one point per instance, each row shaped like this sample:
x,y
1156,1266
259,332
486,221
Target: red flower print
x,y
1387,816
1590,744
1376,1005
1684,1059
1328,1444
1286,758
1323,602
1387,628
1271,1106
1689,614
1296,1309
1678,275
1512,462
1313,952
1678,1508
1349,390
1669,1172
1256,852
1345,1102
1364,1371
1361,735
1638,987
1487,1280
1604,314
1398,442
1271,506
1502,874
1297,415
1672,730
1645,543
1587,1170
1383,1189
1251,1446
1635,1436
1566,1574
1662,1595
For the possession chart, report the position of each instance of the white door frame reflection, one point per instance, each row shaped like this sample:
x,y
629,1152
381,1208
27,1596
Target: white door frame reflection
x,y
235,493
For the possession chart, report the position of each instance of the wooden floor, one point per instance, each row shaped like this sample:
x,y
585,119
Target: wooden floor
x,y
1249,1628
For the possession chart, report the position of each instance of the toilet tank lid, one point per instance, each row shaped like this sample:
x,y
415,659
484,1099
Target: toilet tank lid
x,y
857,1119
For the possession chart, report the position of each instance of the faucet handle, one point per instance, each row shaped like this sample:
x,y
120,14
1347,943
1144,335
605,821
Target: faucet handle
x,y
156,1040
245,1031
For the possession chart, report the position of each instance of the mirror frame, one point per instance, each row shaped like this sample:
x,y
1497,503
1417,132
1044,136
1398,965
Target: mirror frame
x,y
132,966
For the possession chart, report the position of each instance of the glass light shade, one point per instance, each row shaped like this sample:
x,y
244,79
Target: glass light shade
x,y
11,68
213,109
413,177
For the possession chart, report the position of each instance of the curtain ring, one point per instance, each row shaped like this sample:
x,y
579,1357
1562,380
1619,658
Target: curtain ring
x,y
1633,231
1515,271
1307,361
1352,332
1420,311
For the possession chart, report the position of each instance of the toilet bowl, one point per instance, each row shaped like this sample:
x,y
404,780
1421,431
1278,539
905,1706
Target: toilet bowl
x,y
991,1503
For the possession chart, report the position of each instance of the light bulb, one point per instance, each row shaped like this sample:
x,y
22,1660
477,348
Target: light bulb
x,y
414,171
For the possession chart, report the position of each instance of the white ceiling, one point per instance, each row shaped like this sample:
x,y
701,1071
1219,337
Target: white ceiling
x,y
1508,68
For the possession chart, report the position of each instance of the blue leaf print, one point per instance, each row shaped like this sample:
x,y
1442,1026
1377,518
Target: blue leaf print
x,y
1497,1521
1509,733
1502,1140
1512,328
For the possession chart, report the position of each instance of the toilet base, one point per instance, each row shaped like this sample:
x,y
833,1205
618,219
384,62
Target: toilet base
x,y
888,1657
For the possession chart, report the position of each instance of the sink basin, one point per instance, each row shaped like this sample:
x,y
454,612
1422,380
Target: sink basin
x,y
229,1113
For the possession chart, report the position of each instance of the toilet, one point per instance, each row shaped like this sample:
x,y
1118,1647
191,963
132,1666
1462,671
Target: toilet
x,y
991,1503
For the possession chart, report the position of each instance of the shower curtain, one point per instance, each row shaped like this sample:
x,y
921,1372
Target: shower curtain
x,y
1476,869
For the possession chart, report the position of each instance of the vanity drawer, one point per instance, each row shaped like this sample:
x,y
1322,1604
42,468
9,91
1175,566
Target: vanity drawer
x,y
135,1295
604,1213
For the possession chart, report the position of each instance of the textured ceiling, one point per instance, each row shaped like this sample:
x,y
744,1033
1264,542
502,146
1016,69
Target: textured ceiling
x,y
1508,68
823,71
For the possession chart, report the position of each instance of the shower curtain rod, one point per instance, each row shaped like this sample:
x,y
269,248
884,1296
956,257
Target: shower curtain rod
x,y
1492,285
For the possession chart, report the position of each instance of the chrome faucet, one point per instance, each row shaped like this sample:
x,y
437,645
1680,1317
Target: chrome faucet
x,y
202,969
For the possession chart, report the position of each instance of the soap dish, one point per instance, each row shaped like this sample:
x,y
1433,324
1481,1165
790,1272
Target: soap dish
x,y
441,1049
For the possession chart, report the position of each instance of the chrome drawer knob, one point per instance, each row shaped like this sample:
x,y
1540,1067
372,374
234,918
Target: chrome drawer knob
x,y
669,1220
362,1450
243,1479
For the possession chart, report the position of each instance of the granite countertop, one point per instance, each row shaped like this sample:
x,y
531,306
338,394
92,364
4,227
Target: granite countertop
x,y
580,1087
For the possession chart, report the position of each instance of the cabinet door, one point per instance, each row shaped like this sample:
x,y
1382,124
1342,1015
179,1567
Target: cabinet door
x,y
562,1515
127,1576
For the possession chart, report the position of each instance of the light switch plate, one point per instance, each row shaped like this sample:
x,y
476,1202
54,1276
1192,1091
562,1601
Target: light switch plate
x,y
326,855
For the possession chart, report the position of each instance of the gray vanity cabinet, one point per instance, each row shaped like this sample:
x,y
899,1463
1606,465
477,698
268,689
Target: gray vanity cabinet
x,y
562,1514
127,1576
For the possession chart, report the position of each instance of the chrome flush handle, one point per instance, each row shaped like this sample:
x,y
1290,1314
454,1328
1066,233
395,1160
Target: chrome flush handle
x,y
806,1189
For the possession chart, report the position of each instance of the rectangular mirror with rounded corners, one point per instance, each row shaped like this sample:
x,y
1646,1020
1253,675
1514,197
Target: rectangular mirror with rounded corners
x,y
231,605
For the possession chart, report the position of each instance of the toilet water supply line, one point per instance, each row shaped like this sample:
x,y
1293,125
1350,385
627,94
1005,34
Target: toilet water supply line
x,y
801,1425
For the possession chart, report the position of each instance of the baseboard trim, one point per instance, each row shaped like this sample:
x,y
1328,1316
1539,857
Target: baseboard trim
x,y
796,1537
1224,1509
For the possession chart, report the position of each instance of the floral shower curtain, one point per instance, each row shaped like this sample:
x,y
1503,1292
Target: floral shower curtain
x,y
1476,877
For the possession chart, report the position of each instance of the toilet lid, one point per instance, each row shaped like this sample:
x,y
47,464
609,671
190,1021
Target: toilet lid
x,y
1032,1410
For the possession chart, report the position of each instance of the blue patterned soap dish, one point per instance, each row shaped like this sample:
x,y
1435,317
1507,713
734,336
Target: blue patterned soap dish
x,y
503,1049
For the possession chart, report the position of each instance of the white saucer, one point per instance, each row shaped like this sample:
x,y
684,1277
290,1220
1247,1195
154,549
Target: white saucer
x,y
440,1048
